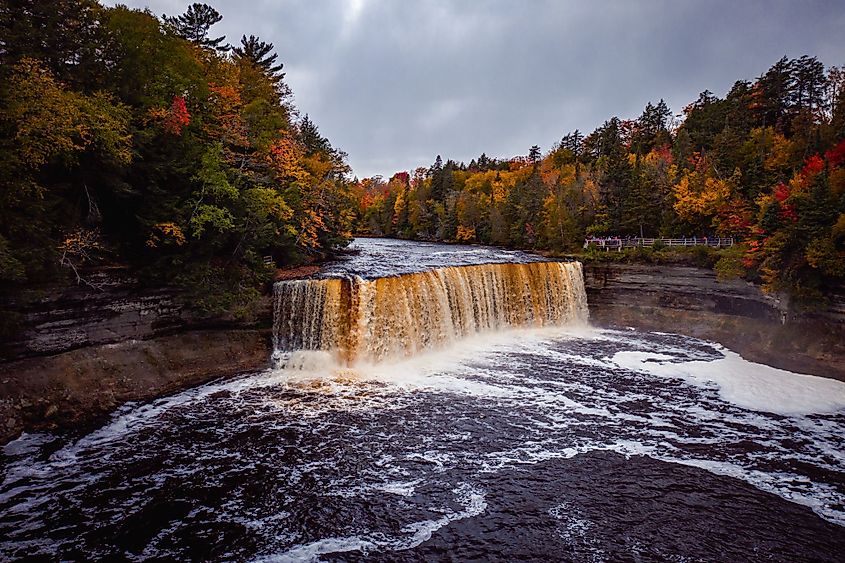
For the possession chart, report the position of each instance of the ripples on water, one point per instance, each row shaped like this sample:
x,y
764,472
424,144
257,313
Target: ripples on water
x,y
526,445
379,257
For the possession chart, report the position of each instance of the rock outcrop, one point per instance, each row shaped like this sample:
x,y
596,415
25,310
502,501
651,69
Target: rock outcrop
x,y
119,309
82,386
81,353
688,300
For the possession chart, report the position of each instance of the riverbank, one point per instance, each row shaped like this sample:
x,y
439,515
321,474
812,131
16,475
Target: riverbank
x,y
81,352
737,314
80,387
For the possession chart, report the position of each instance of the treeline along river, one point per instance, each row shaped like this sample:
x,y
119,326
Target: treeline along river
x,y
456,406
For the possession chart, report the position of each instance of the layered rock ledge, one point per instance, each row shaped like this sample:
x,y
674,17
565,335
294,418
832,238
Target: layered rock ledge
x,y
688,300
81,353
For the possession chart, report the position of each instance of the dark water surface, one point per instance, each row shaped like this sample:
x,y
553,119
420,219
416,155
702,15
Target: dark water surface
x,y
573,444
379,257
532,446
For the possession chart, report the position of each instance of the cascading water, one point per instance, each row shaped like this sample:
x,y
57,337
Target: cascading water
x,y
358,320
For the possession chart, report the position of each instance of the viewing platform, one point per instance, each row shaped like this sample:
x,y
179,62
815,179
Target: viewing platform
x,y
618,243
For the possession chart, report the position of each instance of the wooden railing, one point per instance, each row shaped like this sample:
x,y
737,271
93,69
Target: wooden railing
x,y
617,243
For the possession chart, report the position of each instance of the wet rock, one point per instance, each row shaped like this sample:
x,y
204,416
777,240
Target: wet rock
x,y
79,387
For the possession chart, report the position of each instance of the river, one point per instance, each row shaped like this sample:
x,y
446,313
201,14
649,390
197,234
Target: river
x,y
507,431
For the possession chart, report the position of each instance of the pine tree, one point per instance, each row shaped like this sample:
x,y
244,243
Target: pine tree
x,y
194,25
483,162
810,85
437,179
739,100
605,145
572,142
836,96
65,34
651,128
808,103
705,118
774,92
261,55
534,154
311,138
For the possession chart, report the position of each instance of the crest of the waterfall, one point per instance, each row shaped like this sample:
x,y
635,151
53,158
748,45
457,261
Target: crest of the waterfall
x,y
355,320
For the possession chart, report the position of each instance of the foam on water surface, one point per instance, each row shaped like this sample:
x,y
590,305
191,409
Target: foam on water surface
x,y
746,384
367,443
329,447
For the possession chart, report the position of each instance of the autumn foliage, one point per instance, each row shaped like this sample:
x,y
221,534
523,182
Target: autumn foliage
x,y
188,161
765,164
154,145
178,116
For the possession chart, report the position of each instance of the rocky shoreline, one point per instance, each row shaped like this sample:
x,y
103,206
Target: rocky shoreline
x,y
737,314
84,385
81,353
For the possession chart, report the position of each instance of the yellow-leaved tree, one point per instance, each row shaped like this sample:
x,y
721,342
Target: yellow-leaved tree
x,y
700,196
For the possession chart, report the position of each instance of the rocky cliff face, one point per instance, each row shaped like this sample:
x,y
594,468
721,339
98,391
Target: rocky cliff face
x,y
687,300
81,353
82,386
119,310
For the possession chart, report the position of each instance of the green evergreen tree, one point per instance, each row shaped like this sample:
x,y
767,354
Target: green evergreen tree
x,y
774,94
66,35
534,154
195,24
261,55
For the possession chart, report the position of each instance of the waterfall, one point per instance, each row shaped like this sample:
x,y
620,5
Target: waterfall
x,y
358,320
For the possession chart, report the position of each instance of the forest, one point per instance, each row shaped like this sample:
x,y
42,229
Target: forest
x,y
133,140
146,142
765,164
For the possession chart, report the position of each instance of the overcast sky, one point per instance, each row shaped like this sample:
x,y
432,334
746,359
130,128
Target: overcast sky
x,y
396,82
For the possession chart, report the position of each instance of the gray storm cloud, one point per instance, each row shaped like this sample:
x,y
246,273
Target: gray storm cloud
x,y
394,83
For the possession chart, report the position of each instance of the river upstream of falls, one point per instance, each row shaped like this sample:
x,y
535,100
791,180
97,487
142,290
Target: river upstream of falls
x,y
462,411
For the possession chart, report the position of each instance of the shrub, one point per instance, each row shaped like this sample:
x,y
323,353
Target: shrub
x,y
730,263
703,256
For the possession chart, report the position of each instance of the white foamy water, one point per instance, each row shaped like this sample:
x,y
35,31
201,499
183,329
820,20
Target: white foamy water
x,y
445,413
413,534
746,384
